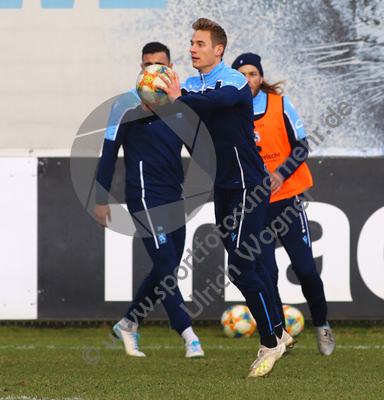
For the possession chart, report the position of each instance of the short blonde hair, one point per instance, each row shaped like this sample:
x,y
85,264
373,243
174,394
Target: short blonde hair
x,y
218,35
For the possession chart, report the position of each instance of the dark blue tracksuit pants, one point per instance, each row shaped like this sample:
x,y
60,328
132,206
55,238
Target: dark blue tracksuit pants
x,y
296,239
240,234
161,226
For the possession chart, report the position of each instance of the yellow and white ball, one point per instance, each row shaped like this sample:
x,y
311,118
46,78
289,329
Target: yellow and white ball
x,y
149,84
238,322
294,320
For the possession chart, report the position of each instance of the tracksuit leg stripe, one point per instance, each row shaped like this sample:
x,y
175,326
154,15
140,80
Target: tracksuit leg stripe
x,y
266,312
241,220
145,205
306,224
241,168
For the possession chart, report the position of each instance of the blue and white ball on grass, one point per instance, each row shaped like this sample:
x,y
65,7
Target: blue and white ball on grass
x,y
149,84
238,322
294,320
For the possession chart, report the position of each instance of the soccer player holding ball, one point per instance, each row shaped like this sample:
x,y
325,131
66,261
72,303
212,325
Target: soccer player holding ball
x,y
223,100
280,138
154,177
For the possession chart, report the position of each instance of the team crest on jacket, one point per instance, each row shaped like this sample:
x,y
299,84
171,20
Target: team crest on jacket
x,y
162,238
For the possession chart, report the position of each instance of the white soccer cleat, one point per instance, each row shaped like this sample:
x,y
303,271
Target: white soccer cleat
x,y
288,340
130,341
194,350
325,340
266,359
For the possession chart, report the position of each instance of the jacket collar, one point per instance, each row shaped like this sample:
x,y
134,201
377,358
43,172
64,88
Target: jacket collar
x,y
214,74
260,102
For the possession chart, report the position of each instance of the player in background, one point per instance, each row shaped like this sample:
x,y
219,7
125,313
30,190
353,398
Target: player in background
x,y
280,139
223,100
154,177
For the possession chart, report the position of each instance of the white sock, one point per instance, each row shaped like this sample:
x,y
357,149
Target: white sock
x,y
128,325
189,336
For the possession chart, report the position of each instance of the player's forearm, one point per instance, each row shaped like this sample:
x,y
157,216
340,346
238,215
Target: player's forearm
x,y
225,97
105,171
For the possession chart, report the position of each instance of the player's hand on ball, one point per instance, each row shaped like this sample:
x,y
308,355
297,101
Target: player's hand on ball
x,y
173,90
101,213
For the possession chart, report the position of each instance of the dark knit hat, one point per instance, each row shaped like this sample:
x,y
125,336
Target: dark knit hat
x,y
248,59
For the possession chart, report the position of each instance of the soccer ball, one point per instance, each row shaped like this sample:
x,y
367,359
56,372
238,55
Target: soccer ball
x,y
238,322
294,320
147,84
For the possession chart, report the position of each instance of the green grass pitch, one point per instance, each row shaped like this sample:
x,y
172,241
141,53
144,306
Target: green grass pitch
x,y
48,363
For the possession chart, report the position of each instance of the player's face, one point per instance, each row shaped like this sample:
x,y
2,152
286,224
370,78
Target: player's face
x,y
204,56
156,58
253,77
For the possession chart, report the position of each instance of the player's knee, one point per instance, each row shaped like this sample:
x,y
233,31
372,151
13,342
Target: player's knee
x,y
244,280
305,272
279,226
169,283
274,278
270,269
